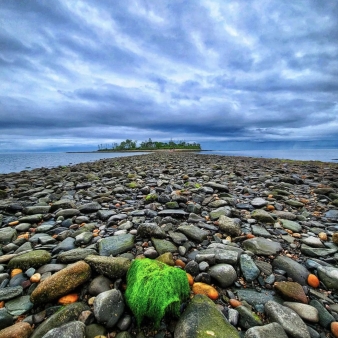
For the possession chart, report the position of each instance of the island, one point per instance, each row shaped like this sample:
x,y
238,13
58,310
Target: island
x,y
149,145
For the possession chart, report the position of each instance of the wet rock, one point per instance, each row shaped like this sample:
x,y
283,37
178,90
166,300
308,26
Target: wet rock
x,y
248,267
162,246
74,329
193,232
19,305
112,246
291,291
229,226
329,276
306,312
224,274
10,292
247,318
75,255
147,230
269,330
259,202
215,214
291,225
22,330
262,216
99,284
262,246
33,259
325,317
7,235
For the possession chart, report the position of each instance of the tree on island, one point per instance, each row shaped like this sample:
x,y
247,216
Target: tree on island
x,y
149,145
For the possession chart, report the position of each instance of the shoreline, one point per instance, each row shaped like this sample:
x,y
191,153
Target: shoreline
x,y
232,223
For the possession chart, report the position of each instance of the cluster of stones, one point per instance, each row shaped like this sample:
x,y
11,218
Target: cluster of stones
x,y
261,234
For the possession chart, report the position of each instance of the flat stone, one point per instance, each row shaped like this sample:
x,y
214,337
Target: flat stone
x,y
32,259
6,319
316,252
262,246
99,284
21,329
247,318
10,292
217,186
112,246
74,329
112,267
177,237
291,291
147,230
67,213
61,283
37,209
312,241
31,218
325,317
269,330
62,204
172,212
75,255
260,231
215,214
66,245
285,215
19,305
248,267
89,207
262,216
329,276
193,232
162,246
291,225
202,319
332,214
259,202
305,311
7,235
228,226
292,324
294,203
105,214
294,270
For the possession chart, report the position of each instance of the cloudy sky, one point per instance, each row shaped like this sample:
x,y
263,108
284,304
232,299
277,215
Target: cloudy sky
x,y
228,74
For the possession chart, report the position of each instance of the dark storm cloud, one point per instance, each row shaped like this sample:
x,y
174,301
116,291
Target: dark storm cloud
x,y
88,72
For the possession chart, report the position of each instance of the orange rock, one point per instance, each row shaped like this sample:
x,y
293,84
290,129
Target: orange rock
x,y
270,207
25,236
68,299
190,279
2,304
313,280
334,329
15,272
248,236
35,278
180,263
234,302
205,289
322,236
13,223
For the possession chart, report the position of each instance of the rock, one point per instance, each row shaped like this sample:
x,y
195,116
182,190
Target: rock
x,y
67,213
247,318
31,218
166,258
112,267
259,202
66,314
162,246
215,214
193,232
285,215
89,207
229,226
291,291
262,216
294,203
292,324
99,284
325,317
19,305
334,329
75,255
10,292
62,204
112,246
147,230
260,231
33,259
316,252
202,319
291,225
172,213
224,274
306,312
95,330
66,245
108,307
74,329
248,267
6,319
332,214
7,235
269,330
21,329
294,270
37,209
262,246
61,283
329,276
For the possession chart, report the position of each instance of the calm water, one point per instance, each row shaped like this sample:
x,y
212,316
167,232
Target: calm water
x,y
16,162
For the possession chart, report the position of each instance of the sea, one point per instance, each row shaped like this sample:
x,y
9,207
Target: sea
x,y
16,162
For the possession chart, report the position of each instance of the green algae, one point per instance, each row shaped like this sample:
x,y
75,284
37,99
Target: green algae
x,y
155,289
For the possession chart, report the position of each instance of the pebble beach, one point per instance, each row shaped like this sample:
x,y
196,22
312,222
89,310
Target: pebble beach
x,y
257,239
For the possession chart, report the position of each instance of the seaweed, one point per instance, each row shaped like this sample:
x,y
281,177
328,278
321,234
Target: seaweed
x,y
155,289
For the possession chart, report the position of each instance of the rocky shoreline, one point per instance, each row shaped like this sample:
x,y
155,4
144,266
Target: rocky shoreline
x,y
258,239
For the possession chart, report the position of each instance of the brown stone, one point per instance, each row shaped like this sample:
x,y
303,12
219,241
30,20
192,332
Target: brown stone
x,y
291,291
335,238
21,329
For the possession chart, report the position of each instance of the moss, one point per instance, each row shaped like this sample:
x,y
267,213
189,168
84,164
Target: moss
x,y
132,185
151,198
154,289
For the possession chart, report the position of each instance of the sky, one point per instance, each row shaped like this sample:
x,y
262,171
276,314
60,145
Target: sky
x,y
226,74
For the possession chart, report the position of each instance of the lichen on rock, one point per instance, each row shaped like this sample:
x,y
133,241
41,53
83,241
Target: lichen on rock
x,y
154,289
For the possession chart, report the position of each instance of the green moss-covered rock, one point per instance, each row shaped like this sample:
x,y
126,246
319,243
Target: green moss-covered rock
x,y
33,259
202,319
154,289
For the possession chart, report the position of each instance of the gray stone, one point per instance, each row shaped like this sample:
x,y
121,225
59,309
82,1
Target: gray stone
x,y
105,214
162,246
67,314
259,202
172,213
112,246
305,311
99,284
177,237
262,246
291,225
247,318
292,324
229,226
31,218
67,213
19,305
329,276
10,292
316,252
295,270
312,241
269,330
202,319
6,319
260,231
65,245
193,232
147,230
108,307
89,207
285,215
262,216
74,329
83,238
37,209
248,267
332,214
112,267
7,235
215,214
75,255
325,317
62,204
294,203
224,274
94,330
217,186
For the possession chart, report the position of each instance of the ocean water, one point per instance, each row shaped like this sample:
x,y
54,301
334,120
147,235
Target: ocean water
x,y
323,155
15,162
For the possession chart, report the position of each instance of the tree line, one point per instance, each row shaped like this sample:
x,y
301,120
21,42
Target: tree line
x,y
148,145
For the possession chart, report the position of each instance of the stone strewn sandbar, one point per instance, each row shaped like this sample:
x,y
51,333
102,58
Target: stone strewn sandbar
x,y
262,232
